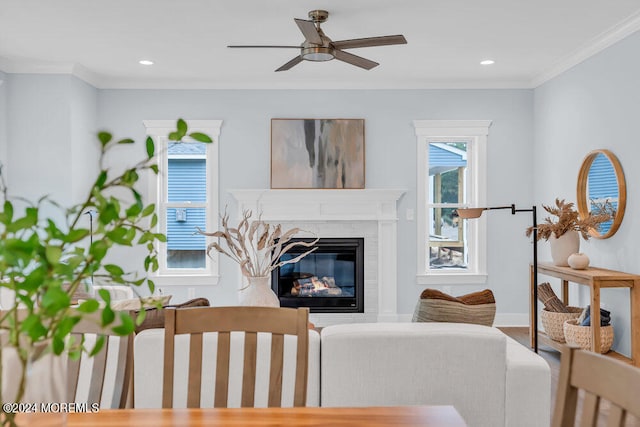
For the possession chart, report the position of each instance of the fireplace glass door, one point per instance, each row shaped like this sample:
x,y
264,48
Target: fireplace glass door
x,y
330,279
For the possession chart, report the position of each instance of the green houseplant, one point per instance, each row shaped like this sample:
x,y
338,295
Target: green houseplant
x,y
44,262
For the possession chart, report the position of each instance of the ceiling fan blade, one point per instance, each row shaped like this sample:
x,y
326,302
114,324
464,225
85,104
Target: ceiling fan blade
x,y
370,41
290,64
309,30
259,46
356,60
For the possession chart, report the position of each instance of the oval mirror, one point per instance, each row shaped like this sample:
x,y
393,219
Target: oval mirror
x,y
601,181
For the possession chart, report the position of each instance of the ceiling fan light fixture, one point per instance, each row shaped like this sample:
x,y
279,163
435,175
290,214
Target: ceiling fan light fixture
x,y
317,53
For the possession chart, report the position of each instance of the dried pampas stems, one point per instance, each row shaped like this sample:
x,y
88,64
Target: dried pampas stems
x,y
256,245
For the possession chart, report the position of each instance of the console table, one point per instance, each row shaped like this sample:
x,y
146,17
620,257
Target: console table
x,y
596,279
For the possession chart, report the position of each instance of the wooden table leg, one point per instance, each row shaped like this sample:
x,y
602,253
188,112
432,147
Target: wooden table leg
x,y
595,318
634,296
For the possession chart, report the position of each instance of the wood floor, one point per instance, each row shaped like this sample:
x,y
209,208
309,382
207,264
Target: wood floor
x,y
521,334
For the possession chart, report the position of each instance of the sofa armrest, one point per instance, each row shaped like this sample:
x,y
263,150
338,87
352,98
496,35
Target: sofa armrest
x,y
528,391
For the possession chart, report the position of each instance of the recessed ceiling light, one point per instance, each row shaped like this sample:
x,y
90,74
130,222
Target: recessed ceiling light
x,y
145,62
487,62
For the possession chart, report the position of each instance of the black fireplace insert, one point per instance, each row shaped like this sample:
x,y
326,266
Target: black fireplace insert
x,y
329,280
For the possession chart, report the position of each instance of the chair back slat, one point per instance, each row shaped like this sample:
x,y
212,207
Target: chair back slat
x,y
222,370
195,371
249,369
275,370
300,394
122,363
73,373
97,373
617,417
590,407
600,378
168,368
124,372
250,320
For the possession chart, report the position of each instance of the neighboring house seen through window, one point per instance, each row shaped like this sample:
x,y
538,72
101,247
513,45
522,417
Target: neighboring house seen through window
x,y
186,197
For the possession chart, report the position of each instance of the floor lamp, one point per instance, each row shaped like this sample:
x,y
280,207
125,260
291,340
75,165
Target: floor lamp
x,y
471,213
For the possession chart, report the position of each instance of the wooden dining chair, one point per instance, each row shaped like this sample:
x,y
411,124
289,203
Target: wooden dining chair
x,y
601,378
120,363
277,322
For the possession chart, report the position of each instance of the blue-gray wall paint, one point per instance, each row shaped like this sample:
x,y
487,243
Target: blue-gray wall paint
x,y
43,106
594,105
3,118
390,146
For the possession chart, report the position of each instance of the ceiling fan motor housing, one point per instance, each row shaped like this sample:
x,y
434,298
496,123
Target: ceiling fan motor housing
x,y
318,16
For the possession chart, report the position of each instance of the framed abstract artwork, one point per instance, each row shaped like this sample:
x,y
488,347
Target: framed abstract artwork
x,y
317,153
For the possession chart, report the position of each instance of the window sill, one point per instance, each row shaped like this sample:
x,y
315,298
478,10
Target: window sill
x,y
452,278
185,279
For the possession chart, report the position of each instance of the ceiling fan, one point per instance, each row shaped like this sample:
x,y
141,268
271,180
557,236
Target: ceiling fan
x,y
318,47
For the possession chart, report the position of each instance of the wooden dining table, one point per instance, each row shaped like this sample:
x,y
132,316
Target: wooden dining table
x,y
379,416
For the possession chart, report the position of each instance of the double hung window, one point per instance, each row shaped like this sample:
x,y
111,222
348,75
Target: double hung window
x,y
451,167
186,196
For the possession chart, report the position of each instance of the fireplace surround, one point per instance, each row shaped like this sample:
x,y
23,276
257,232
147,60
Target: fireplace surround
x,y
370,214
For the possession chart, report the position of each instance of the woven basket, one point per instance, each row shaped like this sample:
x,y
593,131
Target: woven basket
x,y
553,323
581,335
437,310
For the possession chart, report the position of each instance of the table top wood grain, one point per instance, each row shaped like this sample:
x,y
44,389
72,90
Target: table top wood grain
x,y
404,416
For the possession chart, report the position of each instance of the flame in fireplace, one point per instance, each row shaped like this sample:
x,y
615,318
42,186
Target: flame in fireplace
x,y
314,286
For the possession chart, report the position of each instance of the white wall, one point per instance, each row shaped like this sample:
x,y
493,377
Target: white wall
x,y
41,136
3,120
594,105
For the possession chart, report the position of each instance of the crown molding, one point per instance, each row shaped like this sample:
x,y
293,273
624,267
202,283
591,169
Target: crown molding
x,y
591,48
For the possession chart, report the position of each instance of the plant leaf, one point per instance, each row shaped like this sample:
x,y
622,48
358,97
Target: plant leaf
x,y
200,137
151,147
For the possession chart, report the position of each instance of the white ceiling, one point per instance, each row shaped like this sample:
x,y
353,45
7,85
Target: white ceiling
x,y
102,41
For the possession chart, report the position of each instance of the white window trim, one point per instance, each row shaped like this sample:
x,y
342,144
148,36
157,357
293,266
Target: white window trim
x,y
477,131
159,131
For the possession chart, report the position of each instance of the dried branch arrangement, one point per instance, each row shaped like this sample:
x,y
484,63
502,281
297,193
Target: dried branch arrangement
x,y
567,219
550,299
256,245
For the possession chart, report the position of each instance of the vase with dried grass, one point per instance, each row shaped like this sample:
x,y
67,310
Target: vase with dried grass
x,y
563,232
256,246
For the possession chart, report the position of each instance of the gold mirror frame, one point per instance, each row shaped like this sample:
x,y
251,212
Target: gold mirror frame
x,y
583,177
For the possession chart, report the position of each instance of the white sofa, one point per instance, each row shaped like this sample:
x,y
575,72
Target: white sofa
x,y
490,379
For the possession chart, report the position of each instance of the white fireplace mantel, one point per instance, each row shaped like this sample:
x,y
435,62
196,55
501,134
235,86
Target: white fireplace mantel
x,y
300,206
321,205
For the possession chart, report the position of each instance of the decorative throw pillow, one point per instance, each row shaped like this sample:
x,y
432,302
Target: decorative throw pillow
x,y
435,306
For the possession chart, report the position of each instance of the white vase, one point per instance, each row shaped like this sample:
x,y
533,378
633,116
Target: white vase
x,y
563,246
258,292
578,261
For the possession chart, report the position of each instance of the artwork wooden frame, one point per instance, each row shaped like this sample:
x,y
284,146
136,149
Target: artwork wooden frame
x,y
317,153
